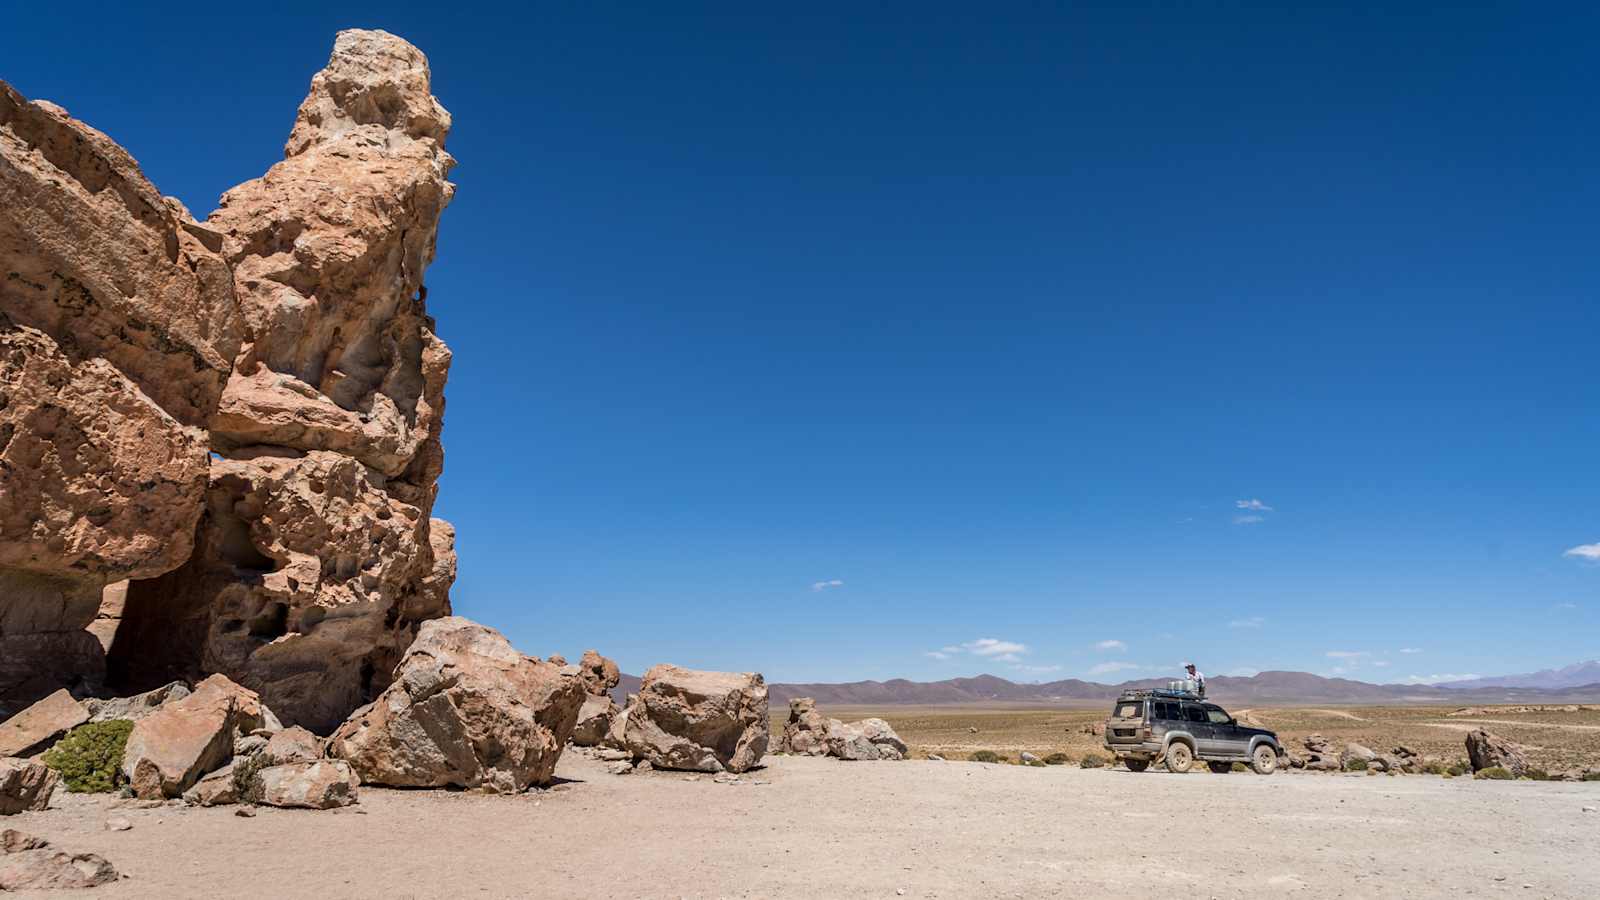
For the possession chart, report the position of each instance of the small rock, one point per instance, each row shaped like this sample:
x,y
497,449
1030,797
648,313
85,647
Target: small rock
x,y
620,767
1588,809
1028,758
245,812
972,729
935,757
644,766
117,823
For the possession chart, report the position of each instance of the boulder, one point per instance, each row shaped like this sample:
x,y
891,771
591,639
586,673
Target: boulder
x,y
699,721
599,674
25,785
137,706
319,784
806,732
29,863
867,739
170,749
1354,751
34,729
616,737
465,709
1485,750
317,556
118,328
594,720
293,744
218,788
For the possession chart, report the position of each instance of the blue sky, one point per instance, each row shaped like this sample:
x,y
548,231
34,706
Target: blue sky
x,y
919,340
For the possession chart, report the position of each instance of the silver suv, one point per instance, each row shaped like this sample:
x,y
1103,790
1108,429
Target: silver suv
x,y
1181,727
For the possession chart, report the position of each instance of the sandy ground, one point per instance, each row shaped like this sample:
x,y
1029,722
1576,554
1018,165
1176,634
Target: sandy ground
x,y
825,829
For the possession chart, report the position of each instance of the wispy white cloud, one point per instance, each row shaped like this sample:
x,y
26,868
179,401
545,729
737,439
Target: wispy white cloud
x,y
1249,520
1252,622
1107,668
1036,670
1590,552
994,647
1410,649
936,654
824,585
1435,679
1111,645
1255,505
1348,654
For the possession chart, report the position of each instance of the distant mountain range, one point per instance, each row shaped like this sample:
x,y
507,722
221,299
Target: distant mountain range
x,y
1574,684
1575,675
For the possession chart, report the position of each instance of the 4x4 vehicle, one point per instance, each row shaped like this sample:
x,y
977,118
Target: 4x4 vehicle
x,y
1181,727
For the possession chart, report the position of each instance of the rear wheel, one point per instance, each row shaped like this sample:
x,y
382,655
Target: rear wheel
x,y
1179,758
1136,763
1264,760
1221,768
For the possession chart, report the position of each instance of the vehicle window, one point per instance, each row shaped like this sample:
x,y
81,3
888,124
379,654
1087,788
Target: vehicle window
x,y
1218,715
1133,709
1166,711
1195,713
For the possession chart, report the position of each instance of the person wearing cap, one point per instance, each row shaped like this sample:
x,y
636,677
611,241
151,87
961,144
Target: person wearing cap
x,y
1195,676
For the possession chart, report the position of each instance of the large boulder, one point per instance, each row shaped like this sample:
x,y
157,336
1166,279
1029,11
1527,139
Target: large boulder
x,y
25,785
1486,750
806,731
467,710
34,729
170,749
118,329
29,863
599,674
137,706
315,784
699,721
594,720
317,556
864,740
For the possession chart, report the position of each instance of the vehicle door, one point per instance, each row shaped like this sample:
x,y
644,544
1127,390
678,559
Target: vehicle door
x,y
1226,737
1198,723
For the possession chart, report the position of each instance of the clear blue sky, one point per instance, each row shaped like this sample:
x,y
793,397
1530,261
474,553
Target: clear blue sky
x,y
992,317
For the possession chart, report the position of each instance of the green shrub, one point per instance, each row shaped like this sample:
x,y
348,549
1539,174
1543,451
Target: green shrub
x,y
988,756
1457,769
1494,773
89,758
1591,776
1240,767
1434,768
1356,765
1093,761
1058,759
1536,775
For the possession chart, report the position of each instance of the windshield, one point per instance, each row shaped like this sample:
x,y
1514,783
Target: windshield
x,y
1218,717
1129,709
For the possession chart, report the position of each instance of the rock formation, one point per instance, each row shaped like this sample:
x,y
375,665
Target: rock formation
x,y
170,749
25,785
594,720
1486,750
809,733
699,721
806,732
30,863
465,709
118,330
34,729
316,556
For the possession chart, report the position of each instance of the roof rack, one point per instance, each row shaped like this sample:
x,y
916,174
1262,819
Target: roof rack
x,y
1161,693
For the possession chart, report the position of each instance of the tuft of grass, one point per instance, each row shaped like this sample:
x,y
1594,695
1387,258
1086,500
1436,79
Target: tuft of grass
x,y
1536,775
1434,768
1457,769
988,756
1093,761
1240,767
1058,759
89,758
1591,776
1356,765
1494,773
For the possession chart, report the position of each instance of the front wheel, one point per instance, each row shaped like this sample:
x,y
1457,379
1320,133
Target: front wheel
x,y
1179,758
1264,760
1220,768
1136,764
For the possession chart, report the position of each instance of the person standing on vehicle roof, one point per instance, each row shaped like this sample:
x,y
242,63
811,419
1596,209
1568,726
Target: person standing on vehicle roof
x,y
1198,679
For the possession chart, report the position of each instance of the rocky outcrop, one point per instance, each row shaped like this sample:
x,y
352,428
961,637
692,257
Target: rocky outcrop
x,y
118,328
594,720
1487,750
1322,756
699,721
30,863
34,729
806,731
137,706
599,674
25,785
170,749
317,556
313,784
867,739
466,710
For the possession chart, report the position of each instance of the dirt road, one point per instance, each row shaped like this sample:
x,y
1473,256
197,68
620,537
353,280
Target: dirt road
x,y
825,829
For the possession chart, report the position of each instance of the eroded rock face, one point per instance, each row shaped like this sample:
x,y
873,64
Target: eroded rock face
x,y
594,720
867,739
25,785
466,709
308,582
599,674
118,329
30,863
699,721
314,784
39,726
806,732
